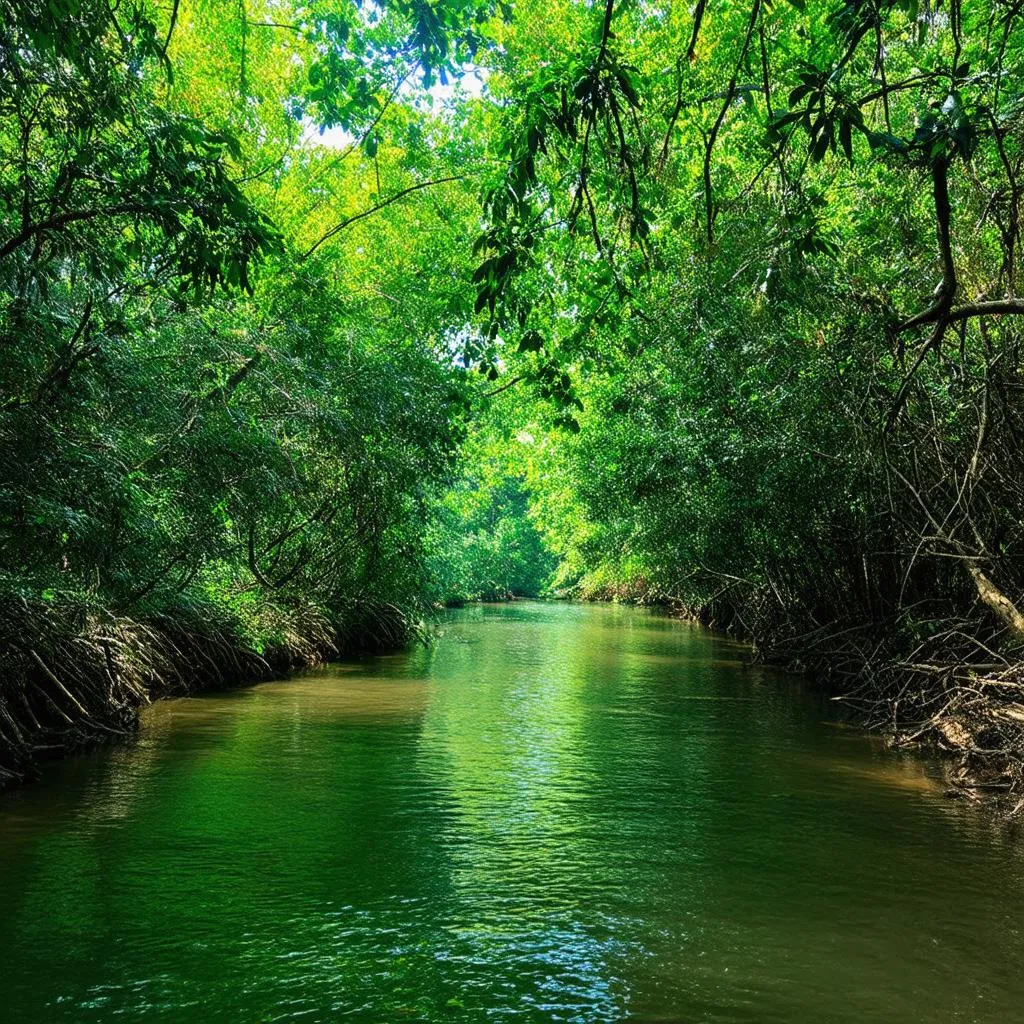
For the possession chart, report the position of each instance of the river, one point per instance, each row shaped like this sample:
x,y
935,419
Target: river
x,y
553,813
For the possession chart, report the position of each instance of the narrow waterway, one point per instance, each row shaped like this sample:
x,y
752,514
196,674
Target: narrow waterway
x,y
554,813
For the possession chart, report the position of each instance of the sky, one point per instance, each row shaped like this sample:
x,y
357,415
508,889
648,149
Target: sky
x,y
472,83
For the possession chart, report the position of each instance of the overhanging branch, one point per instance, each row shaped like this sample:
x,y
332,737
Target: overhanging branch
x,y
348,221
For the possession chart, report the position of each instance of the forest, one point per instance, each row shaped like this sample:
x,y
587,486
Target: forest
x,y
318,316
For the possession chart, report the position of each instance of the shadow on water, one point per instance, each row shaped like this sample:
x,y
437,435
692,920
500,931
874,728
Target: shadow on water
x,y
554,813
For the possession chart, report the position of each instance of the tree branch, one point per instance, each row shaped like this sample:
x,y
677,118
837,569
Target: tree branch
x,y
63,219
327,236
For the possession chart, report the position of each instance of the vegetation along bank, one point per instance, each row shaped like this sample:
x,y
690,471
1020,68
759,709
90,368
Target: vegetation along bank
x,y
316,315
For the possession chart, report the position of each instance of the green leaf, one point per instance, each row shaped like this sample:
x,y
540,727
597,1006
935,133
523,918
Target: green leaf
x,y
531,341
846,139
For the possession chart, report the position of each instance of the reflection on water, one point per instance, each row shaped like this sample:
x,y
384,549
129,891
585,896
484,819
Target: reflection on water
x,y
555,813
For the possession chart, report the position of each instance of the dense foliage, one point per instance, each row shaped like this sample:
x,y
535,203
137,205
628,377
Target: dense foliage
x,y
784,329
315,314
221,435
792,258
485,540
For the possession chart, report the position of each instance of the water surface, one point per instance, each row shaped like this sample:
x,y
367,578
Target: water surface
x,y
555,813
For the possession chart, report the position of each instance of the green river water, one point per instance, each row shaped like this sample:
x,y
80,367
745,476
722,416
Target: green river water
x,y
554,813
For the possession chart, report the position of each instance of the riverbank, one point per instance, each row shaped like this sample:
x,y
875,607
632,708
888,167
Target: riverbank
x,y
74,674
950,687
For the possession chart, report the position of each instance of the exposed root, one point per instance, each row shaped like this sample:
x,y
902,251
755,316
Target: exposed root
x,y
73,675
927,678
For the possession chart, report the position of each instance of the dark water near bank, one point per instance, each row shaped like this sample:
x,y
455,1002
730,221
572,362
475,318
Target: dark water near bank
x,y
556,813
